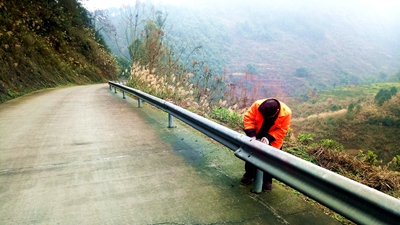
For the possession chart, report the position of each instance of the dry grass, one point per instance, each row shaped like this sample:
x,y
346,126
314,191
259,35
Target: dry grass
x,y
172,88
377,177
321,115
179,89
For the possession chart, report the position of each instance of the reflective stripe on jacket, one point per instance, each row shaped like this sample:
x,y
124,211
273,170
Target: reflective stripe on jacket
x,y
253,120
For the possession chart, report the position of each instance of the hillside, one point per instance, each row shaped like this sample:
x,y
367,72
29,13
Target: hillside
x,y
300,45
352,116
293,47
296,50
336,43
47,44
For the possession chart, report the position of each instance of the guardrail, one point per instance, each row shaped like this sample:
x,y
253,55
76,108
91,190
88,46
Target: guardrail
x,y
355,201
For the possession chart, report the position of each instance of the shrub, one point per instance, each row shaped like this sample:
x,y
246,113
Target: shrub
x,y
331,144
301,72
335,108
350,111
386,121
305,139
369,157
396,160
382,96
236,120
124,67
393,91
221,114
301,153
226,116
351,107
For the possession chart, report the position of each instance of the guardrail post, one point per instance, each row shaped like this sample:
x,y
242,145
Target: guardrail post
x,y
258,182
110,87
123,94
139,103
115,89
170,121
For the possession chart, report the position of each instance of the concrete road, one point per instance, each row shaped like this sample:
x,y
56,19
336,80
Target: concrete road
x,y
84,155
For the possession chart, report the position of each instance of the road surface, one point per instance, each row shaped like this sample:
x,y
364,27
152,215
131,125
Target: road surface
x,y
84,155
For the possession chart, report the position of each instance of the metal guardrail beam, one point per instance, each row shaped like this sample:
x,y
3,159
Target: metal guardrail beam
x,y
357,202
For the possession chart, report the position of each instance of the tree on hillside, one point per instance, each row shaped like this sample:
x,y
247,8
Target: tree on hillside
x,y
136,52
149,49
129,28
101,24
301,72
393,91
382,96
124,67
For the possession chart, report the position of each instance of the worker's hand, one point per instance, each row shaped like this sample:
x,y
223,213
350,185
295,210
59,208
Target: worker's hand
x,y
264,140
254,138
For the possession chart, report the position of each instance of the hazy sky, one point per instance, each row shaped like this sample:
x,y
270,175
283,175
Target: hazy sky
x,y
102,4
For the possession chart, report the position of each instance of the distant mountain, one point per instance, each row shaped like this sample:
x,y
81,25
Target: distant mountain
x,y
293,47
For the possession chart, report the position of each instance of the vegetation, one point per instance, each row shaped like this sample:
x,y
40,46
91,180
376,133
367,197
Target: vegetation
x,y
55,43
46,44
359,121
301,72
385,95
326,152
224,115
338,114
323,150
364,167
291,49
158,69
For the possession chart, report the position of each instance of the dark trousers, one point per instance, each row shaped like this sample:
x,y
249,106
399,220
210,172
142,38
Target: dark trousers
x,y
251,173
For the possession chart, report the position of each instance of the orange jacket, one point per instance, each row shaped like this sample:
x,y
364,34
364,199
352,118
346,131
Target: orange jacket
x,y
253,120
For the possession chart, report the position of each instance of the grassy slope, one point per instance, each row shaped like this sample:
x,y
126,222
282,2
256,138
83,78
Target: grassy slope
x,y
47,44
328,117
